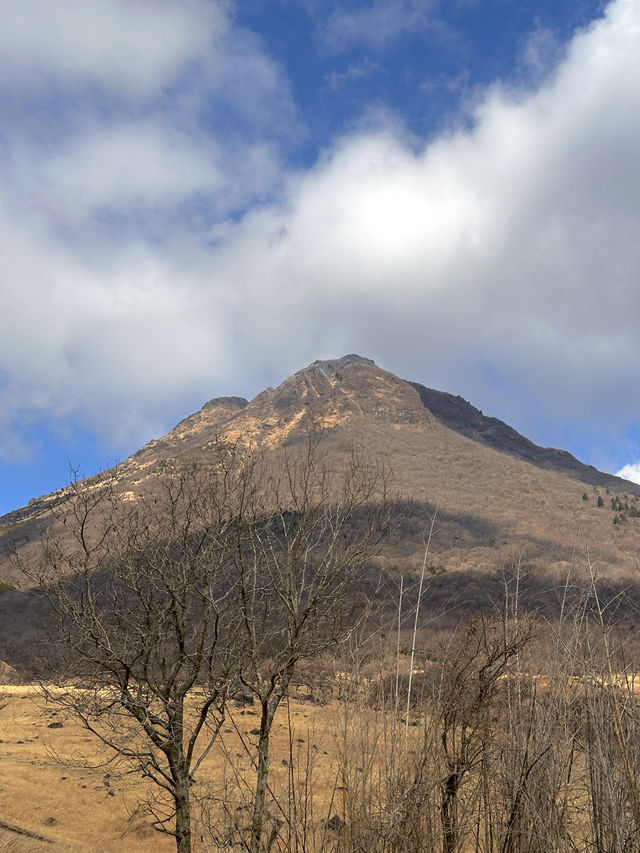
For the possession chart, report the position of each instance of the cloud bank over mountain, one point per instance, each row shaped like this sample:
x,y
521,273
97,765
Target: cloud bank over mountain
x,y
161,241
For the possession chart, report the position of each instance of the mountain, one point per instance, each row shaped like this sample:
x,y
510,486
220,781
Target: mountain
x,y
499,499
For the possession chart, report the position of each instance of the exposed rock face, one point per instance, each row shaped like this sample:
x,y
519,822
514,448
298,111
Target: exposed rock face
x,y
192,432
335,392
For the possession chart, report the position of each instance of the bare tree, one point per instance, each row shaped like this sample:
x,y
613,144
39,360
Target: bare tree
x,y
145,614
303,537
471,677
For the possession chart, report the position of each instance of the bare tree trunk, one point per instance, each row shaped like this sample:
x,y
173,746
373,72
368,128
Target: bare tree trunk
x,y
181,786
262,776
449,803
183,818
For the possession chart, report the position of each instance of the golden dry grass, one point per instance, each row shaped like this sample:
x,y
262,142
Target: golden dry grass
x,y
45,790
78,808
70,805
12,843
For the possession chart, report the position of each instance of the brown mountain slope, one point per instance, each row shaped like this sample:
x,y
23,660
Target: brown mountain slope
x,y
461,416
499,497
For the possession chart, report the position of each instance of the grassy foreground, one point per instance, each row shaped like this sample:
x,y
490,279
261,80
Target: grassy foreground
x,y
46,789
519,738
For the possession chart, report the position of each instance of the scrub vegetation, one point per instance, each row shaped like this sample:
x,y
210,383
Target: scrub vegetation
x,y
520,736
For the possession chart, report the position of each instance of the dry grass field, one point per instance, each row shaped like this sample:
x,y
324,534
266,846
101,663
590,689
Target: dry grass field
x,y
520,762
44,794
45,791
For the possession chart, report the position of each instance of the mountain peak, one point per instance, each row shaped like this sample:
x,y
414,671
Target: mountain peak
x,y
337,390
347,362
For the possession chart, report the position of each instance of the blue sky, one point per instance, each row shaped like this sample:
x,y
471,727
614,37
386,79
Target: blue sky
x,y
198,198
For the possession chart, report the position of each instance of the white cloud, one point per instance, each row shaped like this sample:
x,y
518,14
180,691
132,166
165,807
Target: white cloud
x,y
355,71
101,174
137,46
140,175
508,249
542,52
108,141
375,24
101,342
127,167
630,472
